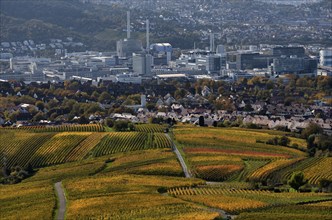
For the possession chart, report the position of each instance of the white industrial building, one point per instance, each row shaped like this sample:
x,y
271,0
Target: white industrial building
x,y
142,63
325,57
129,78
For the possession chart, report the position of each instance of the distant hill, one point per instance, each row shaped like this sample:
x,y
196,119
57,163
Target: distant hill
x,y
44,19
290,2
100,26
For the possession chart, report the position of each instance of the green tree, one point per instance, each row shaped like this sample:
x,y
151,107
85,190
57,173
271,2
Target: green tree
x,y
284,141
311,147
52,104
297,180
95,95
201,121
40,105
248,108
312,128
324,183
104,97
109,122
121,125
83,120
151,106
39,116
180,93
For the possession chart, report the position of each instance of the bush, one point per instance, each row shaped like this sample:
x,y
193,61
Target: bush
x,y
273,141
220,124
121,125
156,120
305,189
296,146
251,126
201,121
17,174
297,180
325,184
162,190
312,128
282,128
283,141
109,122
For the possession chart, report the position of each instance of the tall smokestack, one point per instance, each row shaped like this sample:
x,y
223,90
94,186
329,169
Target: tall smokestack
x,y
147,35
128,24
212,42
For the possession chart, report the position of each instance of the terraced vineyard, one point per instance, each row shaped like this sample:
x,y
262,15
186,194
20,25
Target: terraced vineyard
x,y
136,175
233,142
130,141
150,128
239,200
56,149
63,128
217,172
146,162
320,210
264,172
28,146
314,169
250,167
320,170
18,147
139,199
34,200
82,150
254,161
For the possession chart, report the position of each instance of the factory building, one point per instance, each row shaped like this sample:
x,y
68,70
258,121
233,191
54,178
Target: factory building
x,y
162,53
325,57
288,51
294,65
126,47
142,64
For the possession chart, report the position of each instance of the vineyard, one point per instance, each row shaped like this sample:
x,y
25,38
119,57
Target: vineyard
x,y
136,206
150,128
62,128
29,200
27,146
233,141
314,169
250,166
56,149
227,154
130,197
217,172
146,162
82,150
320,210
130,141
239,200
18,147
264,172
136,175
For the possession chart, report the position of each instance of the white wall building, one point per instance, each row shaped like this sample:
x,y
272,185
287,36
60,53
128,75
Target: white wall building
x,y
142,64
129,78
325,57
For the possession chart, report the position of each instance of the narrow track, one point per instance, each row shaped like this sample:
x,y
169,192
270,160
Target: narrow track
x,y
62,201
180,158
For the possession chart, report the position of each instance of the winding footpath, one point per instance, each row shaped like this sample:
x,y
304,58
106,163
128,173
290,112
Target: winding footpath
x,y
180,158
62,201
